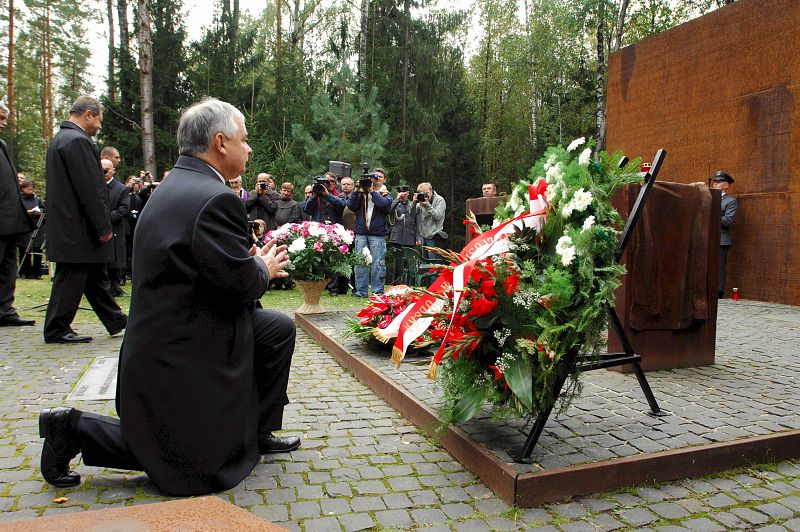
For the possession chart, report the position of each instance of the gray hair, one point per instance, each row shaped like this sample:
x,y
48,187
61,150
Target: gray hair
x,y
3,107
202,121
86,103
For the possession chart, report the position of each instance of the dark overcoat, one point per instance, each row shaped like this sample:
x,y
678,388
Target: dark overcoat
x,y
186,396
14,218
119,203
77,199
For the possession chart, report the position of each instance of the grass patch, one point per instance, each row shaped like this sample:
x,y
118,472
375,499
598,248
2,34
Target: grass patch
x,y
31,293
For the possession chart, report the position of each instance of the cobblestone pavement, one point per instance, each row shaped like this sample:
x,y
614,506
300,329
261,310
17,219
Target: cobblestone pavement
x,y
753,389
362,466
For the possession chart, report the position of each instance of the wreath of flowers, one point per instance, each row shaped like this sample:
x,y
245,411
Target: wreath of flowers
x,y
525,316
318,250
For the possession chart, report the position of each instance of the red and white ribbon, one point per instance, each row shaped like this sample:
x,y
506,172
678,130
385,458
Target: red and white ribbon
x,y
411,323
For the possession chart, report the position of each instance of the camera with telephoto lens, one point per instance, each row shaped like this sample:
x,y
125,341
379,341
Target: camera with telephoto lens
x,y
320,185
262,186
421,197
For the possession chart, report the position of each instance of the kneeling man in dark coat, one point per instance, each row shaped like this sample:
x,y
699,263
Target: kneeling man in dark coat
x,y
203,373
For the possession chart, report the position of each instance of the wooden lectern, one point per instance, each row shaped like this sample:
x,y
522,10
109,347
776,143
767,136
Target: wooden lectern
x,y
483,209
668,301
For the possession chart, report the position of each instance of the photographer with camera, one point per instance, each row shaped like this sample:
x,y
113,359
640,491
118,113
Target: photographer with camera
x,y
371,202
262,202
31,259
404,232
430,219
324,205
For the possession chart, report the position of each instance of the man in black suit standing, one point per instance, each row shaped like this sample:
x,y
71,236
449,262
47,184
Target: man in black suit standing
x,y
14,221
728,206
119,203
79,229
203,373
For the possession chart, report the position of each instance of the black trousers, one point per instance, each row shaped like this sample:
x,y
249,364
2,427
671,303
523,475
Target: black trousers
x,y
8,276
723,266
70,283
274,333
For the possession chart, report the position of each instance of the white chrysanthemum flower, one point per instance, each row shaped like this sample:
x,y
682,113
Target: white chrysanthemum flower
x,y
575,143
588,223
566,250
581,200
551,193
554,174
316,230
367,255
297,245
496,222
585,157
566,210
549,163
344,234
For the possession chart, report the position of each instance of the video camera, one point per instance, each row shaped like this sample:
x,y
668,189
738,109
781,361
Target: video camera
x,y
365,180
320,185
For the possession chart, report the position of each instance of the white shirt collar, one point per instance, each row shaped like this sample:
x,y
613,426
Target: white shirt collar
x,y
215,171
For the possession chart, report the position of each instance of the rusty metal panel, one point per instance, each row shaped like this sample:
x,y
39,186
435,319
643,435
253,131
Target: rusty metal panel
x,y
725,100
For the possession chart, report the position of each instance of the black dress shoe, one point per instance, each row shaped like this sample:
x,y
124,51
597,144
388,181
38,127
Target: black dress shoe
x,y
69,338
276,444
118,329
60,446
15,322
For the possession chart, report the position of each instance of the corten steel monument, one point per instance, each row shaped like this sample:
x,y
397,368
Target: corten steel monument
x,y
721,93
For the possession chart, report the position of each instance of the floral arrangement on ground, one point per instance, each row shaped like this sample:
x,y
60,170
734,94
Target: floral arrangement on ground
x,y
318,250
512,331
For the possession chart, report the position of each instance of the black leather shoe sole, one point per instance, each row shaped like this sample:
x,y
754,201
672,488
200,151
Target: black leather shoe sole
x,y
56,474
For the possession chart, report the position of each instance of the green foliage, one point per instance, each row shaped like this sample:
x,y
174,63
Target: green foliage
x,y
350,129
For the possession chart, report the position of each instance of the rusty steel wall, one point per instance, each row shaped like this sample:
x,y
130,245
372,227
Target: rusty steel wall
x,y
721,93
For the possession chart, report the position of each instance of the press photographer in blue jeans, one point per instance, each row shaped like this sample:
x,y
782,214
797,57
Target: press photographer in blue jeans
x,y
371,205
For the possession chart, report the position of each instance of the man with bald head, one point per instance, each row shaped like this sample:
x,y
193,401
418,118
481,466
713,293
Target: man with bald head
x,y
79,229
112,154
202,372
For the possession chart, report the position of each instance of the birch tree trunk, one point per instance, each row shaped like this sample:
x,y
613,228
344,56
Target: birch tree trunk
x,y
278,61
362,42
112,86
146,86
601,79
10,82
404,102
533,129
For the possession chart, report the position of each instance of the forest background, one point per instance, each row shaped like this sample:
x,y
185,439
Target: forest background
x,y
458,95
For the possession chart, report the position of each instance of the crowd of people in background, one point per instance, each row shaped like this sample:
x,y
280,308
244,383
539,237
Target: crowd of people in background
x,y
384,221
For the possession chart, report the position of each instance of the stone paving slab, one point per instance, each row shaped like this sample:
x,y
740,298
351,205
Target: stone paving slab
x,y
351,439
752,390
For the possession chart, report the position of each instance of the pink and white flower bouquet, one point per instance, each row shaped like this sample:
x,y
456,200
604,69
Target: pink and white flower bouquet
x,y
317,251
